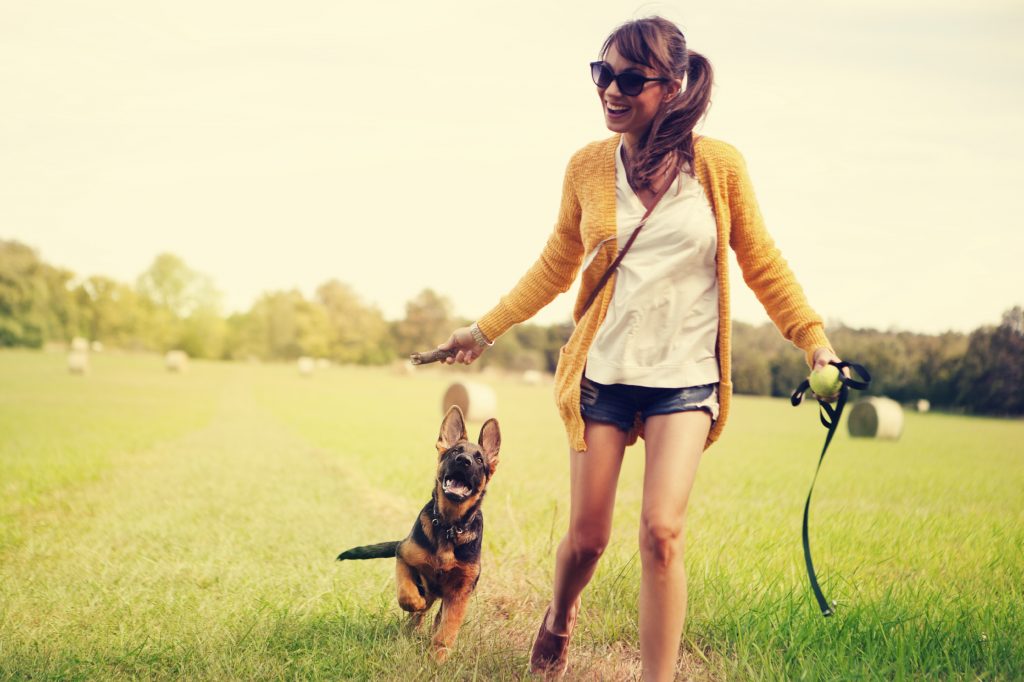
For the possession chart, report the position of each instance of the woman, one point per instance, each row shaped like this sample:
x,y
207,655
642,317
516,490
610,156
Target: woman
x,y
651,355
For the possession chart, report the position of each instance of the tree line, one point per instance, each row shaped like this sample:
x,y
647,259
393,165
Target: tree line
x,y
170,305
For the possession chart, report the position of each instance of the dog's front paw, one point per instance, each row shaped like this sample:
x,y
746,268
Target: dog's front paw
x,y
414,622
412,602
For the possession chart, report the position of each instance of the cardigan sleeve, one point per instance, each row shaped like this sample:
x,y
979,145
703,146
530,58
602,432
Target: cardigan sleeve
x,y
553,272
765,270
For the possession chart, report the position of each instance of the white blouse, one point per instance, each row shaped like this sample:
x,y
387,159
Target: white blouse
x,y
662,323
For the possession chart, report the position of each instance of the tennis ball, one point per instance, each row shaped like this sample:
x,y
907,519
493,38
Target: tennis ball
x,y
826,382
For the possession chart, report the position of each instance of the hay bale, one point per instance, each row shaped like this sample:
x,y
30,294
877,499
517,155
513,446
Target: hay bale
x,y
176,361
923,405
478,402
97,346
403,368
306,366
876,418
532,377
78,362
80,344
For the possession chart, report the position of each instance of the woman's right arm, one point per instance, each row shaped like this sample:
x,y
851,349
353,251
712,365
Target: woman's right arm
x,y
552,273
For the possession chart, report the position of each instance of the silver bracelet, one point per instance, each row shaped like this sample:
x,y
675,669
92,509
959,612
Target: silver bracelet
x,y
478,335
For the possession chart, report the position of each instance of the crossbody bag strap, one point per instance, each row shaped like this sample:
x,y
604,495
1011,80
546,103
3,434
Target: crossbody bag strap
x,y
622,252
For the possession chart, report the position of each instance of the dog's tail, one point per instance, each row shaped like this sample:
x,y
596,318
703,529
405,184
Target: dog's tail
x,y
379,551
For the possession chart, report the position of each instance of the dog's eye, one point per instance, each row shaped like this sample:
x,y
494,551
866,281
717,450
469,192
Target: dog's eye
x,y
479,459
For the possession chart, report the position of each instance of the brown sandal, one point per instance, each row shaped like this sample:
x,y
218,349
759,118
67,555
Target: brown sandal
x,y
550,654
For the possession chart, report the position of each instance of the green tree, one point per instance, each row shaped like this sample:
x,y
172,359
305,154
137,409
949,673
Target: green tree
x,y
428,321
991,379
170,284
202,334
753,351
751,372
108,311
281,325
245,337
35,304
180,308
358,332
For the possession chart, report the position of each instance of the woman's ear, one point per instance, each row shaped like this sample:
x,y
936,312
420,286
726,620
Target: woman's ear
x,y
672,90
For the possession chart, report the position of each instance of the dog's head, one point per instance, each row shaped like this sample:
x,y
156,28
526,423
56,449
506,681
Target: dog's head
x,y
465,468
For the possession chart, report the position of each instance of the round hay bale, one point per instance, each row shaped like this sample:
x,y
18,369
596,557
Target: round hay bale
x,y
306,366
97,346
79,344
78,362
532,377
923,405
876,418
478,402
176,361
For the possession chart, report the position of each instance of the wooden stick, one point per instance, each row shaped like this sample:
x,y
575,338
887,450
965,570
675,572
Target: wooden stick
x,y
431,356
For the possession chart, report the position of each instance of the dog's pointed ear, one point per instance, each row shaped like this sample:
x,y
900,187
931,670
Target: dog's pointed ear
x,y
490,443
453,429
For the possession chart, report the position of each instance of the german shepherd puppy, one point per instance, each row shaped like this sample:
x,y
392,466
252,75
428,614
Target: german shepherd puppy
x,y
440,558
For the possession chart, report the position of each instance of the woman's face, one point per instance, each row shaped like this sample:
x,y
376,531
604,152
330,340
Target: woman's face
x,y
631,116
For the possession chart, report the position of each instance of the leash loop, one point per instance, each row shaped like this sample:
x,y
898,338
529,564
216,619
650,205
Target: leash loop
x,y
829,417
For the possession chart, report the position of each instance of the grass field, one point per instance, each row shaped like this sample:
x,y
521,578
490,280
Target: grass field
x,y
184,526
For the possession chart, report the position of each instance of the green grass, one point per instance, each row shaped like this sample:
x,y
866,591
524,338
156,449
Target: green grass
x,y
163,526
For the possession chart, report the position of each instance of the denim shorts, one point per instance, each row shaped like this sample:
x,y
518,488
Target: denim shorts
x,y
620,404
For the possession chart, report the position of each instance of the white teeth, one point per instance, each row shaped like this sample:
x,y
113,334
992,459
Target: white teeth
x,y
617,110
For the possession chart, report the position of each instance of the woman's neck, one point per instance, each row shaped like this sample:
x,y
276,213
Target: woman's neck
x,y
630,143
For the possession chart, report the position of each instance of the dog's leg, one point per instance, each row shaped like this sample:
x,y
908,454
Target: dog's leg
x,y
416,618
410,594
414,622
453,611
437,618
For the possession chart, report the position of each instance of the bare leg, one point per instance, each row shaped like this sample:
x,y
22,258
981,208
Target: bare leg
x,y
675,443
593,476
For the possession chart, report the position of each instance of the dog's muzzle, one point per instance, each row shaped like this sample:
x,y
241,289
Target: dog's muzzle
x,y
459,479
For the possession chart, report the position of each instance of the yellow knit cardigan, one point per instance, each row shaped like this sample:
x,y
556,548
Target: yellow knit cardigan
x,y
587,218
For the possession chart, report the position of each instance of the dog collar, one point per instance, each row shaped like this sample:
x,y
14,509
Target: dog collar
x,y
456,529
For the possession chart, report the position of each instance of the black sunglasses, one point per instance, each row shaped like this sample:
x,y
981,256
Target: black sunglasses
x,y
631,83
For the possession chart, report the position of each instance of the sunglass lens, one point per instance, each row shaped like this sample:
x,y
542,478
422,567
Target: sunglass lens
x,y
601,74
631,83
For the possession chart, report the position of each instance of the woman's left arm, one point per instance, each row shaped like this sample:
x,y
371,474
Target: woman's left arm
x,y
766,272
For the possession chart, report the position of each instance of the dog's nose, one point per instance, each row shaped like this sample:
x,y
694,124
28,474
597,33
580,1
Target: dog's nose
x,y
463,460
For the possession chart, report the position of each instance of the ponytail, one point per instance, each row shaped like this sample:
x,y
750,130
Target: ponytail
x,y
670,139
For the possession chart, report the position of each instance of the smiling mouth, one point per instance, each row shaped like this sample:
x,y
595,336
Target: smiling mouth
x,y
616,111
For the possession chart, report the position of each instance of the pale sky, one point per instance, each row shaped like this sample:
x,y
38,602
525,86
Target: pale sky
x,y
403,145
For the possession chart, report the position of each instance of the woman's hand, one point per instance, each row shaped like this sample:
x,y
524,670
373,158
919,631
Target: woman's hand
x,y
823,356
463,341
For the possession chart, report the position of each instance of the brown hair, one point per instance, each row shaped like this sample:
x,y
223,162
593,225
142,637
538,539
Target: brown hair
x,y
659,44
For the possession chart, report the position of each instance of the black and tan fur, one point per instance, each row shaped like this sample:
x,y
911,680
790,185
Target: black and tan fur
x,y
440,558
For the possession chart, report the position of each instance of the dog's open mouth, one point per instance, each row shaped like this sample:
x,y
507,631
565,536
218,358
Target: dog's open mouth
x,y
454,486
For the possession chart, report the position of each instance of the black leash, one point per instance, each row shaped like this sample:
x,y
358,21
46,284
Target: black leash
x,y
830,420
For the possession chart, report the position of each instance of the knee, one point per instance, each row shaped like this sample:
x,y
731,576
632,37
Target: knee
x,y
661,541
587,543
